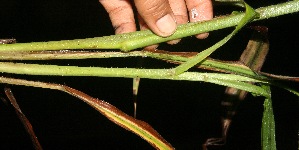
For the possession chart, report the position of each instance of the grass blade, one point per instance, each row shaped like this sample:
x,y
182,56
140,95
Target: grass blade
x,y
138,127
268,124
250,14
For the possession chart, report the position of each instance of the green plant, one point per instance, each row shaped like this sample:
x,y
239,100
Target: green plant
x,y
127,42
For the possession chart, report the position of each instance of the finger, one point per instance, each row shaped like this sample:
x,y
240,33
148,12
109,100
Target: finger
x,y
121,15
179,10
158,15
180,13
144,26
200,10
142,23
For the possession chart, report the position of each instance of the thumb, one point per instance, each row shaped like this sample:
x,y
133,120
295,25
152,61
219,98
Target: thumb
x,y
158,15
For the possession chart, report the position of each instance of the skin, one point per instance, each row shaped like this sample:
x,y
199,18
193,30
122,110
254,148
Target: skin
x,y
160,16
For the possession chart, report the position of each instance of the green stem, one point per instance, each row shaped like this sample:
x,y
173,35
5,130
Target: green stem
x,y
236,81
210,64
130,41
36,69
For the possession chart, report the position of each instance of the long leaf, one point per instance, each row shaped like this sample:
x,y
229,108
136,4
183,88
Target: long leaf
x,y
268,124
138,127
253,57
250,14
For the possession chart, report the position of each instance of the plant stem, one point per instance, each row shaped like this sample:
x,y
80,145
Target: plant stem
x,y
174,57
36,69
209,64
130,41
236,81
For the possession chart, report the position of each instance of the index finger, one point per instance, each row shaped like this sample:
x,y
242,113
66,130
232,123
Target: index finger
x,y
121,15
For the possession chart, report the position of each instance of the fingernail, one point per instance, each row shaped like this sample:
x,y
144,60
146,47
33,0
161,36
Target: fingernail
x,y
152,47
172,42
166,25
202,36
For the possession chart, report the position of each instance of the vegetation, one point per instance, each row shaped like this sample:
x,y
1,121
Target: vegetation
x,y
239,75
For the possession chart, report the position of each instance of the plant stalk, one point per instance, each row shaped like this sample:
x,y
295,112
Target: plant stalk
x,y
139,39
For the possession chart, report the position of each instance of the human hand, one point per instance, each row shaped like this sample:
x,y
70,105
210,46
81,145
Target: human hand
x,y
161,16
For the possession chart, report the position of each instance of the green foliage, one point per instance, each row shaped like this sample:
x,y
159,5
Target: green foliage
x,y
241,76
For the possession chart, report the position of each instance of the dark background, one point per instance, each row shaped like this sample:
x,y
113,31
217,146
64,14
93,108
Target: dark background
x,y
184,113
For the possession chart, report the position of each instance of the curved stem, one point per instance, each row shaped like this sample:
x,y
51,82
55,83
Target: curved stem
x,y
130,41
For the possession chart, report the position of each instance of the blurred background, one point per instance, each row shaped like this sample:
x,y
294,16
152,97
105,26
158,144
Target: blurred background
x,y
184,113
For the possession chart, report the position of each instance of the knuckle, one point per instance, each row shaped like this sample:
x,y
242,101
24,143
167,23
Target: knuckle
x,y
155,8
118,10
